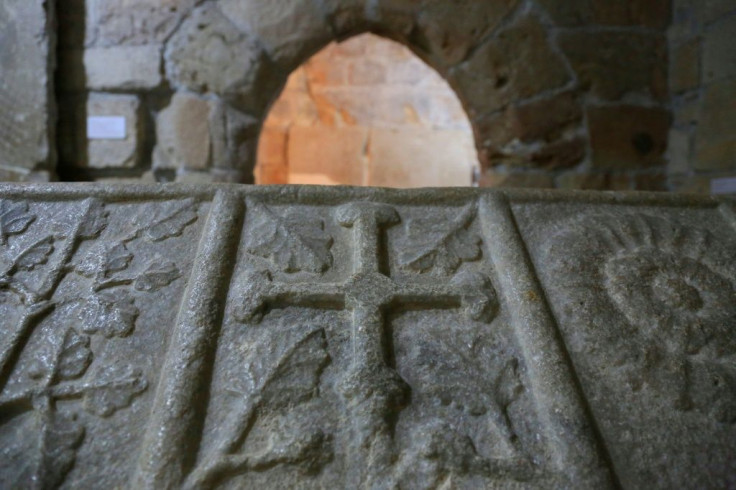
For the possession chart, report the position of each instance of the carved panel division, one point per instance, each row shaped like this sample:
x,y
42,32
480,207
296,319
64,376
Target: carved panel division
x,y
646,299
83,293
410,349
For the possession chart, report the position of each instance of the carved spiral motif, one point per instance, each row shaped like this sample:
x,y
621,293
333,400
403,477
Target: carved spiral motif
x,y
674,286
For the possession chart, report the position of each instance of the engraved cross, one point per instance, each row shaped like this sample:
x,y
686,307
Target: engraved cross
x,y
370,388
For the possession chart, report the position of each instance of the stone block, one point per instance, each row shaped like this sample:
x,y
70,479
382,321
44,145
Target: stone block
x,y
654,14
132,22
544,119
516,64
183,134
679,152
27,60
208,53
338,154
421,158
123,67
448,31
719,50
192,336
715,142
290,31
685,67
611,64
628,137
114,153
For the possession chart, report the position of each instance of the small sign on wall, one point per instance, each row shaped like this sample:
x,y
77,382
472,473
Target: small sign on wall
x,y
106,128
725,185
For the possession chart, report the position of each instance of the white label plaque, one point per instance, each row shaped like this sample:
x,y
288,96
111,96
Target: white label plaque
x,y
106,128
726,185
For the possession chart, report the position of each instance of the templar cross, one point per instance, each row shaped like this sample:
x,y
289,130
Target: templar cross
x,y
370,388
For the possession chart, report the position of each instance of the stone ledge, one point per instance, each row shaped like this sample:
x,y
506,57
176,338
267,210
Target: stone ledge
x,y
353,337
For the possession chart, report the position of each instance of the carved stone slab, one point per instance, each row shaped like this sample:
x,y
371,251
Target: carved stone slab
x,y
242,337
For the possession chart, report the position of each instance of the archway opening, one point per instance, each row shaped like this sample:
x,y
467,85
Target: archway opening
x,y
367,111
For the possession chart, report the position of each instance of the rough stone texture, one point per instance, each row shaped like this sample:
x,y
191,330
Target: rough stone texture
x,y
719,51
183,134
493,77
245,337
123,67
209,53
614,64
715,141
290,31
498,56
116,153
576,13
628,136
703,78
26,86
449,37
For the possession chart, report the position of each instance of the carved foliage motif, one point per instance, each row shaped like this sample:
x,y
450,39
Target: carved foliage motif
x,y
293,243
676,289
439,248
289,365
57,365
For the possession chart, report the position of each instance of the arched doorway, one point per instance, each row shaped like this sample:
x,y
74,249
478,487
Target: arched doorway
x,y
366,111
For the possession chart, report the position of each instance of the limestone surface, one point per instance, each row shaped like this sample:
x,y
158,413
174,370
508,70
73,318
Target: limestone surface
x,y
221,336
26,88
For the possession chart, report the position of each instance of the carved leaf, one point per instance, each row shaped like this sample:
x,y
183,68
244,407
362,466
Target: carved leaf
x,y
293,243
174,222
289,371
105,259
112,314
75,357
14,219
35,255
442,251
158,275
113,391
94,221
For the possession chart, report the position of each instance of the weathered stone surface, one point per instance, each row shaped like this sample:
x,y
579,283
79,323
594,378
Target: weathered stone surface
x,y
719,51
646,13
183,134
209,53
645,297
715,143
516,64
131,22
449,36
627,137
291,31
685,67
123,67
201,337
612,64
26,85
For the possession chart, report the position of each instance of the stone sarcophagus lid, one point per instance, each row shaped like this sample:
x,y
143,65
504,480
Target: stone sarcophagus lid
x,y
242,337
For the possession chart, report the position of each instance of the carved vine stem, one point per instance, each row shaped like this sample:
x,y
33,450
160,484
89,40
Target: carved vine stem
x,y
41,300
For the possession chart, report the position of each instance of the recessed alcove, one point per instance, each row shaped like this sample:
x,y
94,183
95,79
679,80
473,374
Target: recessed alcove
x,y
366,111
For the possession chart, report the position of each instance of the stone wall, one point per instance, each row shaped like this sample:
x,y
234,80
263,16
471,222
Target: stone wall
x,y
703,79
27,109
366,112
569,94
